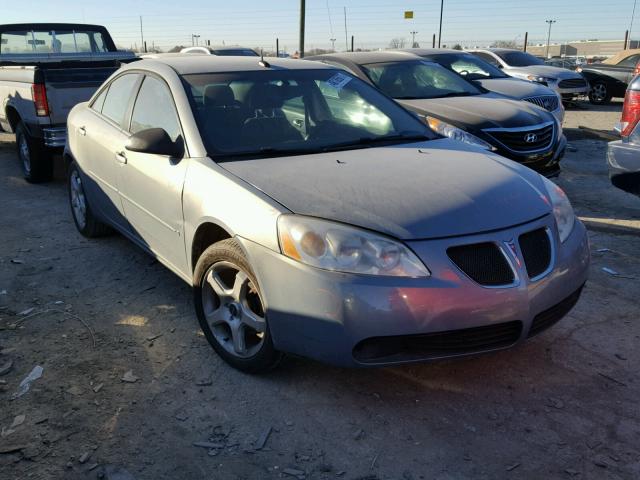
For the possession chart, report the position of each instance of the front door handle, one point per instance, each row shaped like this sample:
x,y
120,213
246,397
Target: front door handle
x,y
82,131
121,157
298,123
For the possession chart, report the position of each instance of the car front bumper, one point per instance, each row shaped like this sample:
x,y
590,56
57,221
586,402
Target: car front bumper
x,y
546,162
343,319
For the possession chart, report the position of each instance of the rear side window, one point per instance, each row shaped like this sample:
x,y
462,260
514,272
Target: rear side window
x,y
630,61
118,97
99,102
154,109
487,58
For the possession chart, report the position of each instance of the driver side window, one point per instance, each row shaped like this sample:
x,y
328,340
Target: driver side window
x,y
154,109
488,58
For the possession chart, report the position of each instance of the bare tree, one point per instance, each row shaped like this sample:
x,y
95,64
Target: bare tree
x,y
397,43
176,49
457,46
504,44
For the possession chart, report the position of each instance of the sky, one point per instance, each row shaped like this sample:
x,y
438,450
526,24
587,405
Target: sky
x,y
373,23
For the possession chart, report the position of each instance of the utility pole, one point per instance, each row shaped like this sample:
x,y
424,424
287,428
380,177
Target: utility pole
x,y
277,47
195,38
333,44
550,22
526,38
440,32
352,43
413,39
346,42
433,44
633,13
302,13
141,34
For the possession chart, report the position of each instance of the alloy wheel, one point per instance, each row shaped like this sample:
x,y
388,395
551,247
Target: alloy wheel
x,y
233,309
78,200
599,92
25,154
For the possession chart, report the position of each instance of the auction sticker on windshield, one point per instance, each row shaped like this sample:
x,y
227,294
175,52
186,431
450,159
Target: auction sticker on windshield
x,y
338,81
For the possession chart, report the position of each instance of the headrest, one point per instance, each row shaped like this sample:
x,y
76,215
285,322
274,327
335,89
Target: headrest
x,y
218,96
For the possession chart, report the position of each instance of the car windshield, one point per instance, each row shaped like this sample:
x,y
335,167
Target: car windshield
x,y
418,79
235,52
272,112
469,66
52,41
519,59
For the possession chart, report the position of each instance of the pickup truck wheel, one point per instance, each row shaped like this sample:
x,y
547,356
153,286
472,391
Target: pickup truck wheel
x,y
86,222
230,309
599,93
36,160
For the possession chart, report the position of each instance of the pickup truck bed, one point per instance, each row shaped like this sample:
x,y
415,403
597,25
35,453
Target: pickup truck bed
x,y
45,70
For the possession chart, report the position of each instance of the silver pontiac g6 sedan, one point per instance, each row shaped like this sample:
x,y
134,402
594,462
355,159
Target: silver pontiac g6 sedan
x,y
314,216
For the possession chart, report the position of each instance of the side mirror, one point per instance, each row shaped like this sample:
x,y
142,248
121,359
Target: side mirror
x,y
155,141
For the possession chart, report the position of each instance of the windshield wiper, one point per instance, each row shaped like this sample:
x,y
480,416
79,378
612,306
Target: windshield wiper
x,y
364,142
456,94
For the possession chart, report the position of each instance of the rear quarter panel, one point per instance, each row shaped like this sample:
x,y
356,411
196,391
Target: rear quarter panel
x,y
15,92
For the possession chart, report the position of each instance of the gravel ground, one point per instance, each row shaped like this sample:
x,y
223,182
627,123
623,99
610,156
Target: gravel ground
x,y
564,405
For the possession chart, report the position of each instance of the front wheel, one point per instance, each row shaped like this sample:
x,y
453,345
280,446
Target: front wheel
x,y
599,93
35,159
230,309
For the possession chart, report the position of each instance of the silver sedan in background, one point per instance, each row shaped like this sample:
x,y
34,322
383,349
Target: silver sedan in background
x,y
313,215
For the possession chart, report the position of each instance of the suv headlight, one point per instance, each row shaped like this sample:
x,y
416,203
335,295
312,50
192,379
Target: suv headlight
x,y
342,248
562,209
454,133
540,79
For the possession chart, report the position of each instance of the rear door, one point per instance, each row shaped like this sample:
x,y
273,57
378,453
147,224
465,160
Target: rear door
x,y
99,137
151,185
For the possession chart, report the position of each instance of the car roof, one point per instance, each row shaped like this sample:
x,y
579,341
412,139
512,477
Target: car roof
x,y
188,64
363,58
618,57
433,51
47,25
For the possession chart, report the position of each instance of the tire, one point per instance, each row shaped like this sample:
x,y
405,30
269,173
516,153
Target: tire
x,y
86,222
599,93
228,314
35,159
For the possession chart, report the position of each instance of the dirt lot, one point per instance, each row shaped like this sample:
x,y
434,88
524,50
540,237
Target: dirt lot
x,y
565,405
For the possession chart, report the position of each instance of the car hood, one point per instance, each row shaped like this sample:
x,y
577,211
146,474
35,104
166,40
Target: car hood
x,y
427,190
515,87
544,71
481,111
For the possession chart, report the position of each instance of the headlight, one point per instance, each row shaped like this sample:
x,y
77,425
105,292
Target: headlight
x,y
447,130
540,79
341,248
562,209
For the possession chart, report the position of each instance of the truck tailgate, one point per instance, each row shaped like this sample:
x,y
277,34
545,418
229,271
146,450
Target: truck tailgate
x,y
66,87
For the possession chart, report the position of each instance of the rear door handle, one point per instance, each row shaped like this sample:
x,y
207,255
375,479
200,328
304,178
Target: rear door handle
x,y
298,123
82,131
121,157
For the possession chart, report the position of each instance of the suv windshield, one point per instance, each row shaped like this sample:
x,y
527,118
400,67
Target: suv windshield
x,y
469,66
275,112
52,41
418,79
519,59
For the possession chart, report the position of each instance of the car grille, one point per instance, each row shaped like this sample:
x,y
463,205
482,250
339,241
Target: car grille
x,y
483,262
438,345
572,83
548,102
525,140
536,251
550,317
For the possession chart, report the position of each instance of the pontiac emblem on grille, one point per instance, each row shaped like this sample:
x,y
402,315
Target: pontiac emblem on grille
x,y
530,137
511,244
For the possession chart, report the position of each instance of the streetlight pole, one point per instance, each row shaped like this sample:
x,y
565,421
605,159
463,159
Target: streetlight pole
x,y
333,44
633,13
550,22
413,39
302,13
440,32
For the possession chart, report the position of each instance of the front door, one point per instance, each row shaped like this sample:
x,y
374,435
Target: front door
x,y
151,185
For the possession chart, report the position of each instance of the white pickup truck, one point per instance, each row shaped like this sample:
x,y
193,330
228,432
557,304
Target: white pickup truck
x,y
45,70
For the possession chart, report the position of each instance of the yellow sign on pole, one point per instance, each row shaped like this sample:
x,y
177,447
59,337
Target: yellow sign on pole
x,y
408,14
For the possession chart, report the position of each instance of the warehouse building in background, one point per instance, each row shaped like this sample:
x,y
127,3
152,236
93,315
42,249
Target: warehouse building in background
x,y
582,48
